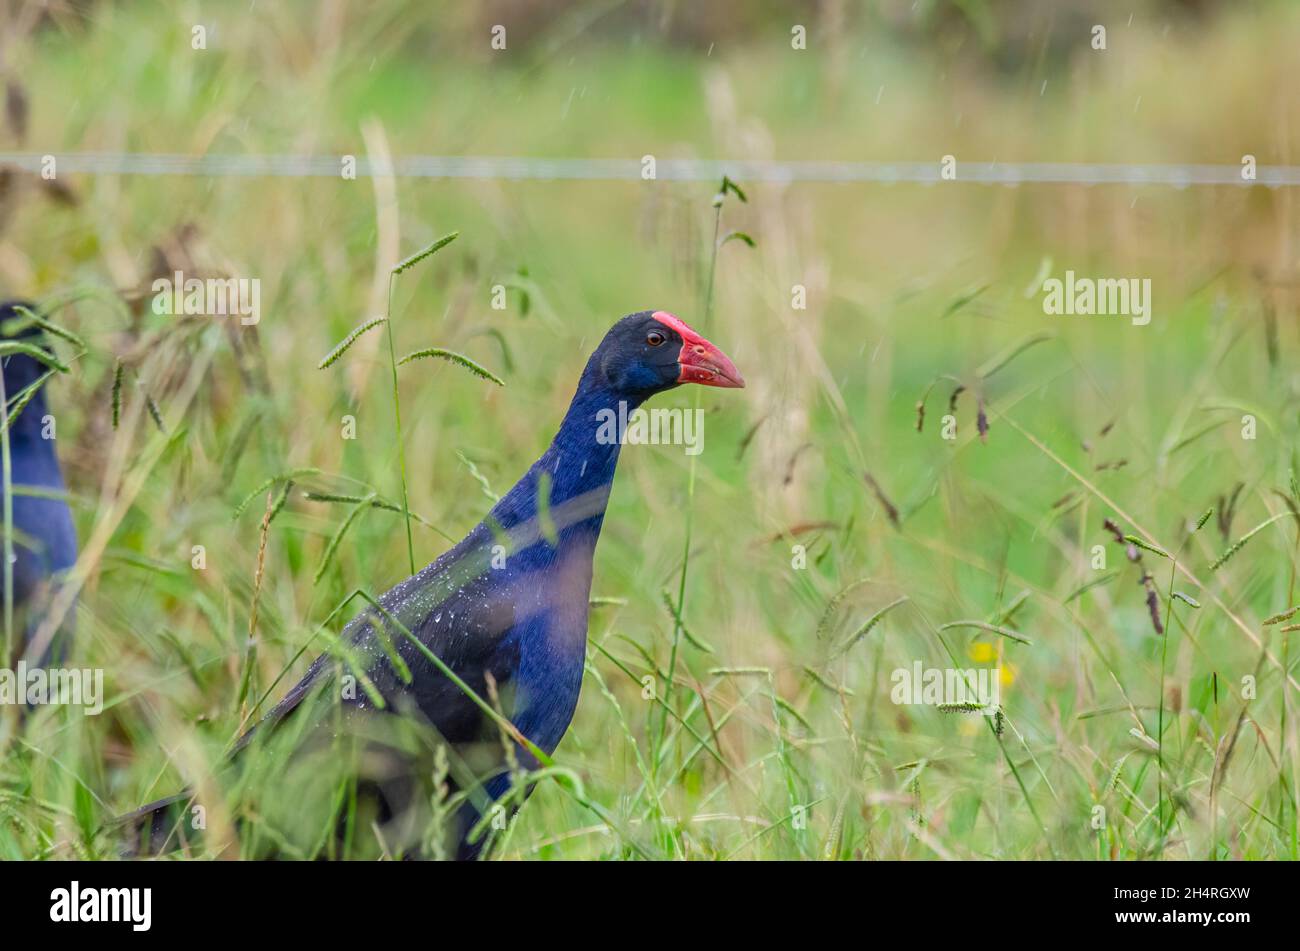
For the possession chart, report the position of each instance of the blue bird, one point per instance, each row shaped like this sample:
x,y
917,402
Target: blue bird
x,y
505,610
45,541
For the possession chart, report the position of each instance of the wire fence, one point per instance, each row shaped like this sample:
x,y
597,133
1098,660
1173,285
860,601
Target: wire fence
x,y
520,168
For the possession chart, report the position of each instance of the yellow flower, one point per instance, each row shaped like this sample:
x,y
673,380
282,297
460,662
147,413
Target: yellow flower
x,y
982,652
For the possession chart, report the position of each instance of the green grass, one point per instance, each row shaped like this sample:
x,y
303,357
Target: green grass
x,y
778,737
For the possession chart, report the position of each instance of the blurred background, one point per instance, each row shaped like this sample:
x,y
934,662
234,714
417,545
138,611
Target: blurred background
x,y
785,742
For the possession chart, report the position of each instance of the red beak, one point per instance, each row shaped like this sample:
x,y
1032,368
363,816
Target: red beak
x,y
701,361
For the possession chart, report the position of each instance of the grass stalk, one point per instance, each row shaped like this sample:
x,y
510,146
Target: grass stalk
x,y
690,505
7,464
397,416
1160,716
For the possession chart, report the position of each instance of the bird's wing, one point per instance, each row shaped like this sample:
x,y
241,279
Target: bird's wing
x,y
455,608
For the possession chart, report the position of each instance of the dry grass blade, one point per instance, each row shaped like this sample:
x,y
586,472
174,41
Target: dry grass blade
x,y
1001,360
991,628
891,510
155,413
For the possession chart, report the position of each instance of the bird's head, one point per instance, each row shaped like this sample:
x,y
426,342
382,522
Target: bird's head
x,y
651,351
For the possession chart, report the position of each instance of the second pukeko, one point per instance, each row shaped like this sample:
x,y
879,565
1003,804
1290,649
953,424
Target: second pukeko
x,y
505,610
45,541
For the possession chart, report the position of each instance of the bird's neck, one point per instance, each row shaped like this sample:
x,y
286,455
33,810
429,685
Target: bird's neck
x,y
564,494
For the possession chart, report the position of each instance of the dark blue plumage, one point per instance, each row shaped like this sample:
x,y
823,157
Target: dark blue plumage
x,y
45,542
506,608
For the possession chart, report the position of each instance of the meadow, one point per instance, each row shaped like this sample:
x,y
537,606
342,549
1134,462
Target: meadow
x,y
829,533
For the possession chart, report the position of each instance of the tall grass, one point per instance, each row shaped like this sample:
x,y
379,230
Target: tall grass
x,y
775,680
706,311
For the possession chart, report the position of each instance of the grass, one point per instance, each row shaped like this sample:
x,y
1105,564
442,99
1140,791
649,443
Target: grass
x,y
770,732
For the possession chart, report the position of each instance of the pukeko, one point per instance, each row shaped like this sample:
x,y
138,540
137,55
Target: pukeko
x,y
505,610
45,542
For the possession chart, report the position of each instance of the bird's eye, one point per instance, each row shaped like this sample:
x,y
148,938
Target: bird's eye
x,y
654,338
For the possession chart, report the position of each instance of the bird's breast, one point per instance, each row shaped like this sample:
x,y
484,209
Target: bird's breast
x,y
551,627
